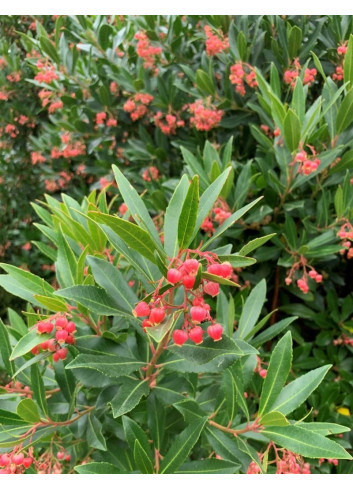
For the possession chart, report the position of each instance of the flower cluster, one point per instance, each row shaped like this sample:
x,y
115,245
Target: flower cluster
x,y
64,334
151,173
46,73
205,116
219,213
70,149
215,43
37,157
306,165
170,123
302,282
15,462
146,51
241,73
137,105
268,132
346,234
343,340
286,462
101,118
188,275
290,76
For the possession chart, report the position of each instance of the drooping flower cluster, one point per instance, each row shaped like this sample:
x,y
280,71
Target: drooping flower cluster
x,y
205,115
290,76
306,165
341,51
286,462
15,462
215,43
170,123
187,274
303,281
63,330
241,73
146,51
346,234
69,149
219,213
343,340
137,105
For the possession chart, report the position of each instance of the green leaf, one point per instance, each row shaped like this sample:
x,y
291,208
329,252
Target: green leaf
x,y
295,393
345,113
277,373
28,411
209,349
274,418
236,372
110,365
305,442
226,447
171,218
5,349
94,436
348,63
195,166
94,298
255,243
49,49
159,332
182,446
115,284
209,466
188,214
103,35
204,83
209,197
218,279
134,432
298,100
237,260
291,130
137,208
230,221
27,342
38,388
98,468
294,41
10,419
252,309
272,331
135,237
142,460
128,396
156,420
190,410
324,429
51,303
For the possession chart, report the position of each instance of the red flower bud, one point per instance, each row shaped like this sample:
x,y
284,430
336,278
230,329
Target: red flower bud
x,y
215,269
56,357
142,309
61,323
174,276
60,455
179,337
191,266
198,314
41,327
211,288
70,340
70,327
189,281
18,459
35,350
195,334
27,462
61,335
52,345
157,315
62,353
263,373
44,345
226,269
215,331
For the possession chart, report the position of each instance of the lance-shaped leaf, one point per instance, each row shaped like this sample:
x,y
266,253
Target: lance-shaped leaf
x,y
98,468
304,442
94,298
136,207
94,435
171,218
135,237
182,446
209,466
128,396
291,130
8,418
111,279
255,243
277,373
5,348
110,365
274,418
252,309
188,214
348,63
209,350
27,342
28,411
142,460
295,393
345,113
38,388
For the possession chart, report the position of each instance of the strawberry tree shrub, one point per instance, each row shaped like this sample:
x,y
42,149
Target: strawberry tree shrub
x,y
135,360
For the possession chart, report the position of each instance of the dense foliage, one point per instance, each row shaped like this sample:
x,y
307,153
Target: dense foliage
x,y
197,308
